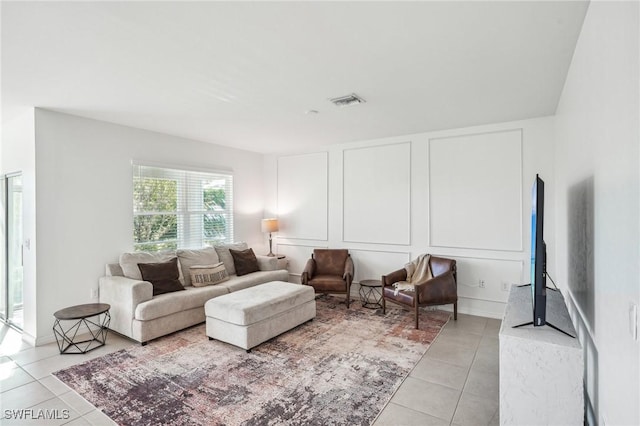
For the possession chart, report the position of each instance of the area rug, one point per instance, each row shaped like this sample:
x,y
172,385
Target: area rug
x,y
340,368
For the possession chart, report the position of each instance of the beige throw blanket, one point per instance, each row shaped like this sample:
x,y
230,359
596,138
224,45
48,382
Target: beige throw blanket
x,y
418,271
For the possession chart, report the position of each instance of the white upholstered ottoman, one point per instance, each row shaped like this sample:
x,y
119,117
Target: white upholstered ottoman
x,y
248,317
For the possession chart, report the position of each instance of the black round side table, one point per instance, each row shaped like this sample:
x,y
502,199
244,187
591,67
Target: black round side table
x,y
96,330
371,293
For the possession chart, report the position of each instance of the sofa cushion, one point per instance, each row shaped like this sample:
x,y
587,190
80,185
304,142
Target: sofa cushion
x,y
236,283
244,261
328,283
113,270
129,261
225,256
171,303
203,275
163,276
267,263
189,258
330,261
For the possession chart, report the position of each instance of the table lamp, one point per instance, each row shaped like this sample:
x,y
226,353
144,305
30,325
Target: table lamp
x,y
270,225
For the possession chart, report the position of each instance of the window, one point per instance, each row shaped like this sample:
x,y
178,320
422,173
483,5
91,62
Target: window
x,y
175,208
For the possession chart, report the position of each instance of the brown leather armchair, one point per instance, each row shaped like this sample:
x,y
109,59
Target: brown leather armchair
x,y
329,271
442,289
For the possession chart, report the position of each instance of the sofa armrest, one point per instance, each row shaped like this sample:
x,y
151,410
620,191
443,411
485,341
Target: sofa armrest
x,y
348,270
394,277
438,290
309,271
124,295
267,263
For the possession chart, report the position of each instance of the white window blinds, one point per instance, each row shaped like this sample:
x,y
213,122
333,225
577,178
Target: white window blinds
x,y
174,208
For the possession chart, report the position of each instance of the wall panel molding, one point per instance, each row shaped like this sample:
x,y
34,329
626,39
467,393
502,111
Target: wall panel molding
x,y
297,255
377,194
303,196
372,264
494,272
475,191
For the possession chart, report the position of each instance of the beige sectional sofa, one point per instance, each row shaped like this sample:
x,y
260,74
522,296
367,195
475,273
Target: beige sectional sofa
x,y
139,315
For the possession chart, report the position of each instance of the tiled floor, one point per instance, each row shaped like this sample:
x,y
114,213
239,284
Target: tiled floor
x,y
456,382
26,383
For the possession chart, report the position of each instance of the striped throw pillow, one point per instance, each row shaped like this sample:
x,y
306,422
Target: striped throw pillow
x,y
203,275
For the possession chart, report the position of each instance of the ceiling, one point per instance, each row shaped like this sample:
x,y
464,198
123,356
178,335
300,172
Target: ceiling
x,y
244,74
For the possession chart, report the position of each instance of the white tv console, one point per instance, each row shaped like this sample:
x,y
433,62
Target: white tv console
x,y
541,369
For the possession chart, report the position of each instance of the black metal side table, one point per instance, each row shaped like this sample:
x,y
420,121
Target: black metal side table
x,y
371,293
97,331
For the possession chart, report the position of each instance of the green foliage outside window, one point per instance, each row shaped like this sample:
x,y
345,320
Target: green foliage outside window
x,y
158,214
157,230
215,223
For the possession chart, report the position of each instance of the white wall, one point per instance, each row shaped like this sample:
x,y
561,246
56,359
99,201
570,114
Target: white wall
x,y
18,148
597,198
382,204
84,199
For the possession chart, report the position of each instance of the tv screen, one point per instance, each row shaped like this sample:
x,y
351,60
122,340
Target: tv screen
x,y
538,254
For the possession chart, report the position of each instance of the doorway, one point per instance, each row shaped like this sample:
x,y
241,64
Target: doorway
x,y
11,294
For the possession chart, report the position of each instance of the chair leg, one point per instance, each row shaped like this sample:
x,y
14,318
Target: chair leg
x,y
417,314
455,311
384,304
348,297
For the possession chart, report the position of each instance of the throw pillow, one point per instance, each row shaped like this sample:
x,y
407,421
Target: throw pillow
x,y
244,261
203,275
189,258
225,256
163,276
129,262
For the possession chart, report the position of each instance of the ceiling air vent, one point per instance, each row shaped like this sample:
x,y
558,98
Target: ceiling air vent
x,y
348,100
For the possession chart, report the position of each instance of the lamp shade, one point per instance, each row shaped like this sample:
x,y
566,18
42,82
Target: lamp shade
x,y
269,225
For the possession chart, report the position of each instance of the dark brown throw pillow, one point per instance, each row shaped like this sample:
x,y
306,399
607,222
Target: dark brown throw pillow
x,y
163,276
245,261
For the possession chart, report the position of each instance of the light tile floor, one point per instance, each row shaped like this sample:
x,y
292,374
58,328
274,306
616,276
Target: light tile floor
x,y
455,382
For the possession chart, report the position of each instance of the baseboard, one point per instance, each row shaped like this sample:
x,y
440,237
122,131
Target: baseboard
x,y
28,338
491,310
45,340
480,307
478,313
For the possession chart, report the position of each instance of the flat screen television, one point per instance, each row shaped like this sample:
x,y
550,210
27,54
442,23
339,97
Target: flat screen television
x,y
538,255
538,260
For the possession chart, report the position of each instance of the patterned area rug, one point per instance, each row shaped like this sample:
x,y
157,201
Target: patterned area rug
x,y
340,368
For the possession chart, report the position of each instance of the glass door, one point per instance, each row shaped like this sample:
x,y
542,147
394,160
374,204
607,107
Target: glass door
x,y
11,310
3,248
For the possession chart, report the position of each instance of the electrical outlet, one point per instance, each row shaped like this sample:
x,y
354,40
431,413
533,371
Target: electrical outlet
x,y
481,283
505,286
94,293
